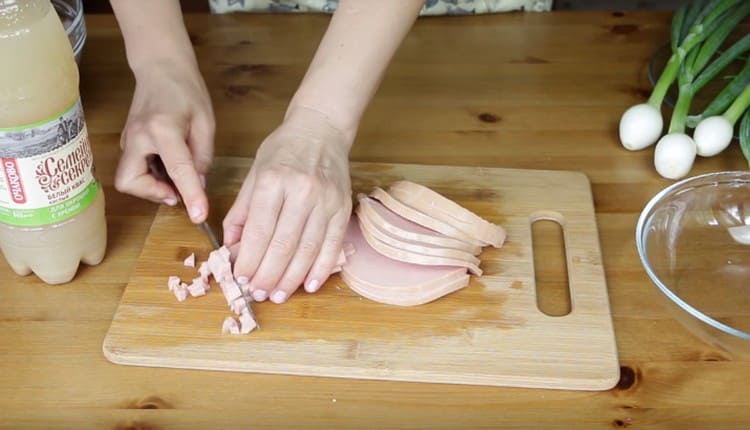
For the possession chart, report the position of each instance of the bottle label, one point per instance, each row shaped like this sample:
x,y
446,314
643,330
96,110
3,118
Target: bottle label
x,y
46,170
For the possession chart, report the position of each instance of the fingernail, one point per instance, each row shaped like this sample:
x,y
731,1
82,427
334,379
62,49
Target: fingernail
x,y
243,280
278,297
259,295
312,286
195,212
203,181
170,201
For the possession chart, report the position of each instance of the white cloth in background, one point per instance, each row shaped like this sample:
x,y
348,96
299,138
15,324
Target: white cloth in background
x,y
431,7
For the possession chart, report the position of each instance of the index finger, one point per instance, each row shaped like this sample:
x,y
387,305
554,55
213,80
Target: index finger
x,y
264,207
133,177
180,167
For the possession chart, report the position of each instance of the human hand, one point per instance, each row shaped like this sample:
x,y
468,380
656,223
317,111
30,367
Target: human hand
x,y
171,117
292,210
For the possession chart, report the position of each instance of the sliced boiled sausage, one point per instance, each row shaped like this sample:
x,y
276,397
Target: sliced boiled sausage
x,y
372,230
394,279
422,218
411,298
412,257
424,199
405,230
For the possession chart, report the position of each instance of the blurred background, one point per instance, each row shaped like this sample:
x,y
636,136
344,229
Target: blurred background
x,y
102,6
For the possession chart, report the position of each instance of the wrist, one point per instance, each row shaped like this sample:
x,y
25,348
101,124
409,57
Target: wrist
x,y
153,32
142,60
155,66
315,116
341,108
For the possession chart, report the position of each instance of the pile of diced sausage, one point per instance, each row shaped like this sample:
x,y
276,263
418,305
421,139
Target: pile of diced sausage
x,y
218,266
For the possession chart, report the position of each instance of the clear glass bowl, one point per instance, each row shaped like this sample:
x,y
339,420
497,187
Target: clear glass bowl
x,y
693,239
71,15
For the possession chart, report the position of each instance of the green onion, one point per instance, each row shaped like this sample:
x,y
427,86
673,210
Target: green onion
x,y
714,133
676,151
697,30
745,136
697,59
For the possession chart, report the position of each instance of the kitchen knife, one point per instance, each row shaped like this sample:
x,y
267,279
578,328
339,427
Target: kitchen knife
x,y
156,166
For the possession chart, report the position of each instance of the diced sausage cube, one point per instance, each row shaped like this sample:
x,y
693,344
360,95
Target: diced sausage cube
x,y
247,323
197,288
238,305
224,252
231,291
190,261
181,292
230,326
204,271
173,282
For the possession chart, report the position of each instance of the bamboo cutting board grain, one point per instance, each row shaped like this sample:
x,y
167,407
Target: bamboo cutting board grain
x,y
489,333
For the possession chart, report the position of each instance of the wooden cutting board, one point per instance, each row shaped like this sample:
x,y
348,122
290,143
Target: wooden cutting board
x,y
490,333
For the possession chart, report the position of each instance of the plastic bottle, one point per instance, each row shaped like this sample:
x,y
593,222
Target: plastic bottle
x,y
51,205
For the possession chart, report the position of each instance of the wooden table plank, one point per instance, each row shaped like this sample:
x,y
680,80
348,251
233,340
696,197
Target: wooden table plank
x,y
555,84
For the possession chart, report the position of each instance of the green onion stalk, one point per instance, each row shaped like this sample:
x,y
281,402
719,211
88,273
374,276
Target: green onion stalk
x,y
744,135
739,106
727,95
675,151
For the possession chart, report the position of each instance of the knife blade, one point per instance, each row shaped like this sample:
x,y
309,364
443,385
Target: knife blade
x,y
157,168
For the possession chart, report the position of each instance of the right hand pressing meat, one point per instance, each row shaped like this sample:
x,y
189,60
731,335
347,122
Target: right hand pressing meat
x,y
293,208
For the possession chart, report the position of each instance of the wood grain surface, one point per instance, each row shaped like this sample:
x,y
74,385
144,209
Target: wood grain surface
x,y
489,333
532,91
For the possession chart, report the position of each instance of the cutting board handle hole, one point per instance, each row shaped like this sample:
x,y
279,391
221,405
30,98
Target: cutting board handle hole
x,y
550,265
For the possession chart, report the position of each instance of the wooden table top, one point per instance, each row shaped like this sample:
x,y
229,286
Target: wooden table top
x,y
537,91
